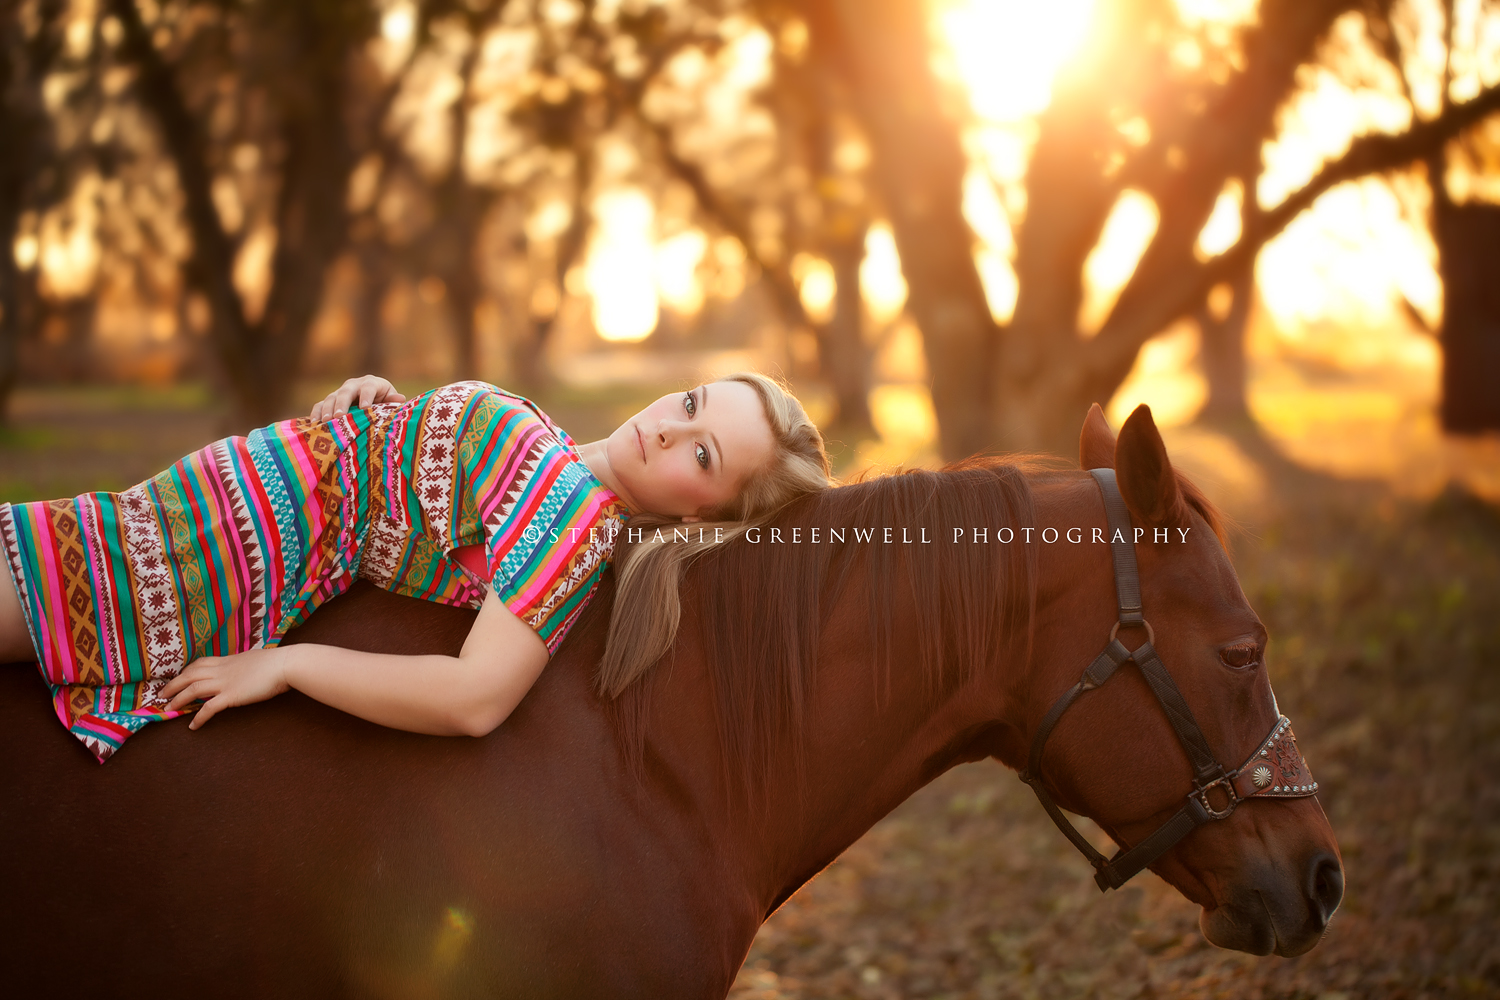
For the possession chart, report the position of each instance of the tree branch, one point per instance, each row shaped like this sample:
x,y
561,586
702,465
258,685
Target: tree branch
x,y
1370,154
782,286
212,263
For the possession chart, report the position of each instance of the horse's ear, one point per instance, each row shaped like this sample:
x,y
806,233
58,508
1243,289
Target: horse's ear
x,y
1145,474
1096,445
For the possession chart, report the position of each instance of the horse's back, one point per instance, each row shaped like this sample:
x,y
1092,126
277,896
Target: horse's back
x,y
291,849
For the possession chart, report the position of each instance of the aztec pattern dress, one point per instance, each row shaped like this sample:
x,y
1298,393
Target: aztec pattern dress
x,y
237,544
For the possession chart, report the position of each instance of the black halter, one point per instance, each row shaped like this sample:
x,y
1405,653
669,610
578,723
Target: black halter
x,y
1275,770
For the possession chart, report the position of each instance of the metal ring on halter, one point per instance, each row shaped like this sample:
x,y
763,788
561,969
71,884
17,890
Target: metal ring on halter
x,y
1201,794
1150,634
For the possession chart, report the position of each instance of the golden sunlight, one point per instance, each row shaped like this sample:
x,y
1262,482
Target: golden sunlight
x,y
1354,255
677,260
995,246
1222,230
816,286
1007,52
880,280
67,245
1326,113
398,28
25,251
619,273
1219,12
1165,377
1127,233
1001,286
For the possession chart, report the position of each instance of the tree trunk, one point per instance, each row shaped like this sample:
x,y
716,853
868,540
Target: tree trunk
x,y
884,49
843,355
1049,372
1468,242
1222,349
24,62
374,282
461,209
259,361
528,353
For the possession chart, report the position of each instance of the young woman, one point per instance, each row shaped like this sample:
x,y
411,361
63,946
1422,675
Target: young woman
x,y
466,495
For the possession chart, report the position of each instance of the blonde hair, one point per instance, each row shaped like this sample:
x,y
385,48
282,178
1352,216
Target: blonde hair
x,y
648,572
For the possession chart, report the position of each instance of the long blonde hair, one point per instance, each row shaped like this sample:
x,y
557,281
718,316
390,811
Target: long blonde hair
x,y
648,571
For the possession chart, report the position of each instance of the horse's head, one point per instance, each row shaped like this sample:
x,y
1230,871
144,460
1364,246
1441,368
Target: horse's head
x,y
1268,875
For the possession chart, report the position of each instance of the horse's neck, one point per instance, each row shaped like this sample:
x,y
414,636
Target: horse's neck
x,y
871,741
868,750
867,746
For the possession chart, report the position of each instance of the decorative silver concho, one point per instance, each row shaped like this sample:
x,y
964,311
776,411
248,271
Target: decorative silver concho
x,y
1261,776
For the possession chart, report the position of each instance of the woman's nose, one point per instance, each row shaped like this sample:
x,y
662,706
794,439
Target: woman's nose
x,y
666,432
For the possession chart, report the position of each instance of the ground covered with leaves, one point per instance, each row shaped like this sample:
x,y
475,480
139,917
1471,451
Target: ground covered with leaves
x,y
1385,624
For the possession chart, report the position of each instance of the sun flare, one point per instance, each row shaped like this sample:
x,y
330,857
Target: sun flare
x,y
1007,52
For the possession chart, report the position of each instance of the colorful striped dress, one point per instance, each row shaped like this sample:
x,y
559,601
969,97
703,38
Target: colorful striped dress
x,y
237,544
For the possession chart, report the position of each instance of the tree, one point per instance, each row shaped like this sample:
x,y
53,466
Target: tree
x,y
882,48
292,67
24,59
1028,384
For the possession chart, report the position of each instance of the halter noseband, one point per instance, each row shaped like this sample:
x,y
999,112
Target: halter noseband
x,y
1275,770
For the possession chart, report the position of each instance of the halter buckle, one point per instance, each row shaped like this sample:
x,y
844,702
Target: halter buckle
x,y
1200,792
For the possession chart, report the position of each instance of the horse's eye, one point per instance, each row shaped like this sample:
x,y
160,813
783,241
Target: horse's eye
x,y
1244,654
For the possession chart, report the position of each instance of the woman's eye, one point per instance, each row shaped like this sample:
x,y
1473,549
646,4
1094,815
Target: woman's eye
x,y
1243,655
690,404
702,454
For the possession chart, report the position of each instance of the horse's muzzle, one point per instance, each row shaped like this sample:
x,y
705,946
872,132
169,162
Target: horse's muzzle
x,y
1277,914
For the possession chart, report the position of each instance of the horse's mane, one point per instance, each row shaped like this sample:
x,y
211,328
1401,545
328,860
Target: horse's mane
x,y
1218,522
761,607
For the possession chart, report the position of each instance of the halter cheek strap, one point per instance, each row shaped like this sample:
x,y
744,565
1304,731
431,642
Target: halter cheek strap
x,y
1275,770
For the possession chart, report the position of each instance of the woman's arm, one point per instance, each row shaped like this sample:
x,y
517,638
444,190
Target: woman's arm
x,y
469,694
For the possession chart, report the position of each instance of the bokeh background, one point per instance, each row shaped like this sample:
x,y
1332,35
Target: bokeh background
x,y
950,225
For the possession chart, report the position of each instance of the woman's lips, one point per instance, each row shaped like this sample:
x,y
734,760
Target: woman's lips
x,y
640,443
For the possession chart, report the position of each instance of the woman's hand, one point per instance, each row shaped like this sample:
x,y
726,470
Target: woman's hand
x,y
226,681
356,393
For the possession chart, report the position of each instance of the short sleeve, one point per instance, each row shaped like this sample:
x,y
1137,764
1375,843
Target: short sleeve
x,y
550,526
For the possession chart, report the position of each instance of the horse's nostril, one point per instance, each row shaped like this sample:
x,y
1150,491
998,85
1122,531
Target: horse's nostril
x,y
1326,884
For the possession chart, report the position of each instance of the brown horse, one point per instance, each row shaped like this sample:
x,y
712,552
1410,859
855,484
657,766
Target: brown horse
x,y
633,848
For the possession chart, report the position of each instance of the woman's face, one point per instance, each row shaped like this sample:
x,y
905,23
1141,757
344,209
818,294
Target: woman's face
x,y
690,451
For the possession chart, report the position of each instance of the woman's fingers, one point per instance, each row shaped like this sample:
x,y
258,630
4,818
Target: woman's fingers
x,y
222,682
193,692
208,711
182,680
355,393
197,681
183,697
